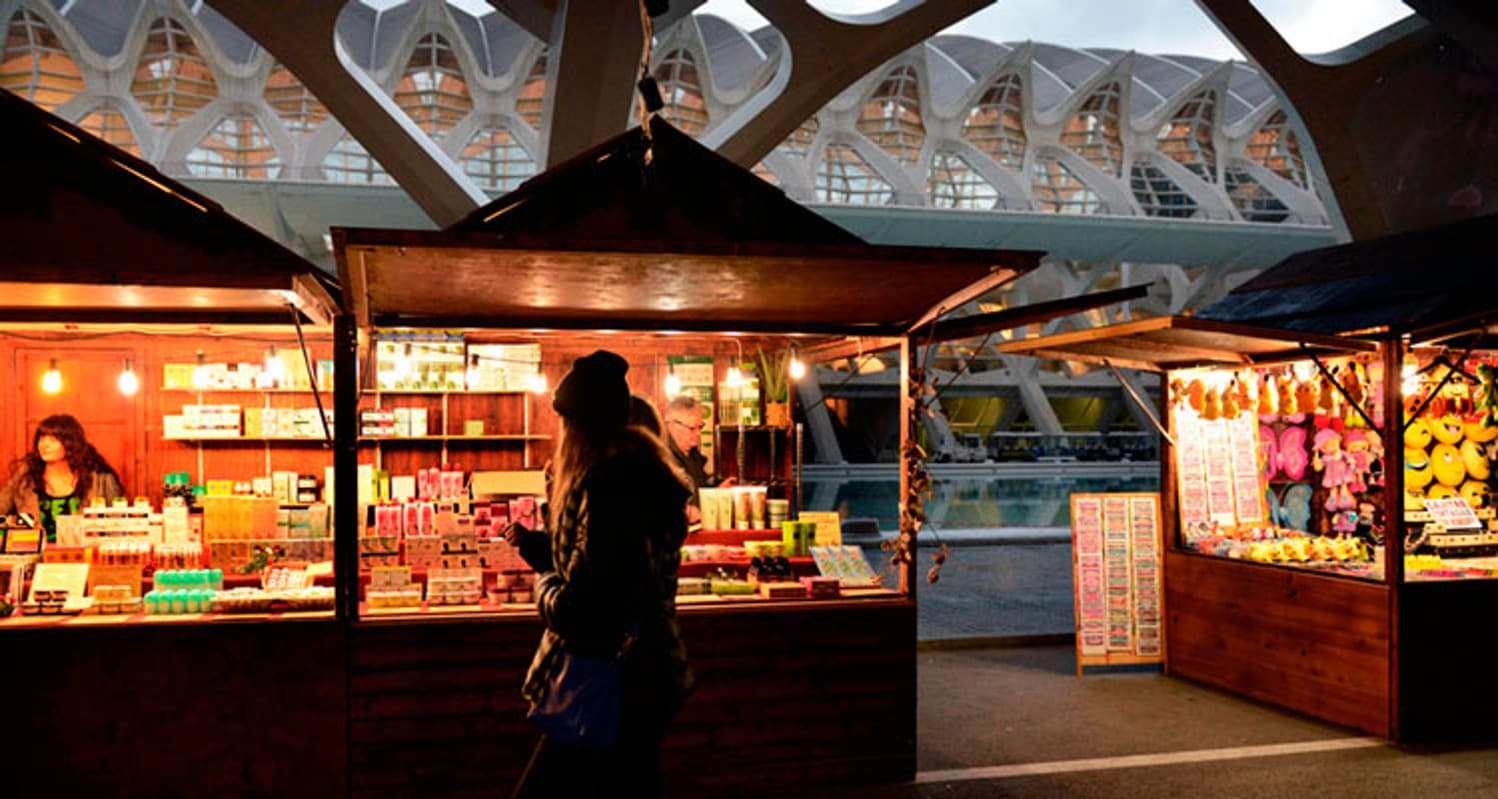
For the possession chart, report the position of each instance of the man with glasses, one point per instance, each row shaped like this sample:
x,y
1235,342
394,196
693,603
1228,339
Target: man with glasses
x,y
685,418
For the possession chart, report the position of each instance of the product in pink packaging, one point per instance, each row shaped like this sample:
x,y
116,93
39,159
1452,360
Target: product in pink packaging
x,y
434,481
423,484
428,523
523,512
452,485
410,518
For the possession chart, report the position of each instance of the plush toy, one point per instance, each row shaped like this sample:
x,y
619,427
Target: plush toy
x,y
1446,428
1268,406
1417,471
1195,395
1230,401
1475,492
1305,398
1211,408
1487,393
1475,460
1336,471
1363,448
1417,435
1286,399
1446,462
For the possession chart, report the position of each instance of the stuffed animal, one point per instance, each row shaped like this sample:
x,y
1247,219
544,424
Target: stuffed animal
x,y
1268,406
1487,393
1336,471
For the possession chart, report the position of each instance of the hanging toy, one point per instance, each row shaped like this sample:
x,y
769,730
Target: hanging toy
x,y
1336,472
1487,393
1268,406
1245,394
1195,395
1305,398
1286,398
1211,409
1230,401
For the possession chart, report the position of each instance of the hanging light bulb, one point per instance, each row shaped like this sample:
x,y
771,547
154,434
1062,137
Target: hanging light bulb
x,y
52,378
798,367
735,377
1409,379
673,383
538,383
403,363
473,371
275,368
200,372
129,383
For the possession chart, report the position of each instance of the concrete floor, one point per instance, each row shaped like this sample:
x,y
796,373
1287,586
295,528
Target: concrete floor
x,y
990,718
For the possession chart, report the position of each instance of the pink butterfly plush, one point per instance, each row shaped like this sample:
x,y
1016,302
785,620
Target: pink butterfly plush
x,y
1292,455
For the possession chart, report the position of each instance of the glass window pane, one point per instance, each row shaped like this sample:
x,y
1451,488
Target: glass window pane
x,y
1254,202
496,161
112,127
172,80
1275,147
35,65
237,148
844,177
1187,137
891,118
1058,190
1157,194
349,162
952,183
433,90
298,109
682,90
996,124
1092,132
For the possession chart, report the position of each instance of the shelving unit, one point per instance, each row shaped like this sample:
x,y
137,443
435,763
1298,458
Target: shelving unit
x,y
524,438
268,442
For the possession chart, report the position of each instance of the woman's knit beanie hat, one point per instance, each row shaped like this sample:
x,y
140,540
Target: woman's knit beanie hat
x,y
595,394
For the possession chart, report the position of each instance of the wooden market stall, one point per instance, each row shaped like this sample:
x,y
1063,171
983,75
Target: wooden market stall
x,y
1330,589
108,262
640,255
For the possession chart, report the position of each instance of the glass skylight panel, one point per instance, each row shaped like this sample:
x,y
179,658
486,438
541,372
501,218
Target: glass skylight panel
x,y
891,118
1275,147
798,144
845,177
111,126
532,99
1187,137
496,161
681,88
953,183
293,103
349,162
35,65
1254,202
1058,190
172,80
1092,132
433,90
1157,194
237,148
996,123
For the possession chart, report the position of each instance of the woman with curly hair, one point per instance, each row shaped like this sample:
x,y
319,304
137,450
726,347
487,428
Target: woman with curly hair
x,y
60,474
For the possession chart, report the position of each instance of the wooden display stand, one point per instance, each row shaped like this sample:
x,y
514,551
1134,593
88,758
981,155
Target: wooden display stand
x,y
1116,574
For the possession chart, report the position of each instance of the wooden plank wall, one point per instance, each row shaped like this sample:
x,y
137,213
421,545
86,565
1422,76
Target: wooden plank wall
x,y
226,709
1311,643
786,700
1446,656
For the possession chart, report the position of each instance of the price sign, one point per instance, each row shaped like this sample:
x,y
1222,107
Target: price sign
x,y
1453,513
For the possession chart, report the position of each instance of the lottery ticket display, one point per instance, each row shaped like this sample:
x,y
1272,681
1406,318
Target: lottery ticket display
x,y
1116,560
1218,472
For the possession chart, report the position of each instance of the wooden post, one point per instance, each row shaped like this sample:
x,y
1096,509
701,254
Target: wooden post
x,y
910,394
346,521
1393,434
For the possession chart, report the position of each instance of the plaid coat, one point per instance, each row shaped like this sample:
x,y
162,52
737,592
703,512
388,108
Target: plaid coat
x,y
615,549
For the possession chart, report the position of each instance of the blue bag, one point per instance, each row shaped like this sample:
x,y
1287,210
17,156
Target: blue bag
x,y
581,705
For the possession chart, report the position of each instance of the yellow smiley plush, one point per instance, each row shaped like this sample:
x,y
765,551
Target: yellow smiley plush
x,y
1475,460
1447,429
1417,472
1446,462
1475,430
1439,491
1417,435
1475,492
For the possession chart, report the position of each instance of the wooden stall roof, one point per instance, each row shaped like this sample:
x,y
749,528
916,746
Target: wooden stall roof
x,y
1174,342
657,232
1402,283
419,278
93,233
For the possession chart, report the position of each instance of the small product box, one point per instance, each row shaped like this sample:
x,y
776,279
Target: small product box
x,y
473,427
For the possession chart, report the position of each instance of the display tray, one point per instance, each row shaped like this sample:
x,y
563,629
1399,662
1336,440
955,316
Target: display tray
x,y
803,567
127,620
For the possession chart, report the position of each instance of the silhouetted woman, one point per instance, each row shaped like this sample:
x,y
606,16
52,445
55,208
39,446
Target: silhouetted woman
x,y
58,477
617,523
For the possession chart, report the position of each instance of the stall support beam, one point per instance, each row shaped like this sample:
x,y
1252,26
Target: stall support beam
x,y
1393,357
346,521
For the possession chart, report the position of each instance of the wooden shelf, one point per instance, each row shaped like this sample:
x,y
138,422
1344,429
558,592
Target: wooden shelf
x,y
441,393
251,390
247,439
416,439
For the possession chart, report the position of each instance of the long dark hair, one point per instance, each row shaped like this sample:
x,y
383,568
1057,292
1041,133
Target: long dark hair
x,y
83,459
580,448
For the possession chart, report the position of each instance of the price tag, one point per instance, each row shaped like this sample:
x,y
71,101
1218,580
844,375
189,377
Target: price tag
x,y
1454,513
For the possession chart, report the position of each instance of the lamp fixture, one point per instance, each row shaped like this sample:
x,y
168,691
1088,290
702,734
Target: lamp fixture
x,y
673,383
275,368
128,382
538,383
52,378
797,366
200,372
